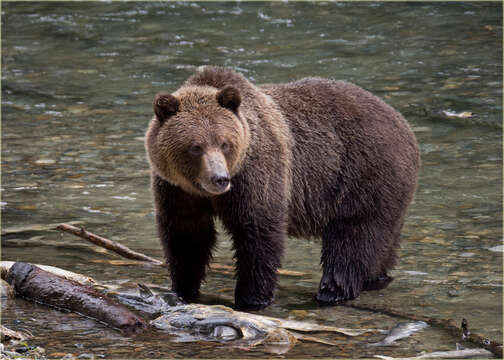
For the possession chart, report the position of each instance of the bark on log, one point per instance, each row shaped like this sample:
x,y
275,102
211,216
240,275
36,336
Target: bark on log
x,y
46,288
81,279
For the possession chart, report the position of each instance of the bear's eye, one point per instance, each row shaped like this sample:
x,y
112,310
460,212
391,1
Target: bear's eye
x,y
225,146
195,150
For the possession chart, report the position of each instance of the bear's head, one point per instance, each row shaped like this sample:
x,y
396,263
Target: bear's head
x,y
197,138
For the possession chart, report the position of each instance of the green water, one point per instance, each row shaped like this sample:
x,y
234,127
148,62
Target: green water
x,y
78,80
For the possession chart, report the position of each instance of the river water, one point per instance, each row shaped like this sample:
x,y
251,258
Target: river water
x,y
78,81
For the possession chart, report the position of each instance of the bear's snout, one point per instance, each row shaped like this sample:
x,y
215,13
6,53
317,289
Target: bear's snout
x,y
215,178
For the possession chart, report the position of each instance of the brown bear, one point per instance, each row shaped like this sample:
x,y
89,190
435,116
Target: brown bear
x,y
310,158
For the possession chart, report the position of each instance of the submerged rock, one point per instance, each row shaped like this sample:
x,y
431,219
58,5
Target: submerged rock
x,y
14,345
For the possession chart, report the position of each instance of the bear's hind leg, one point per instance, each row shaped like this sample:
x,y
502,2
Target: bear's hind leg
x,y
352,253
382,280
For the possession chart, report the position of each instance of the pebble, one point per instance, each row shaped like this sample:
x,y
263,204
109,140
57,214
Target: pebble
x,y
411,272
454,293
58,354
85,356
87,71
45,161
298,314
77,109
422,129
467,254
124,198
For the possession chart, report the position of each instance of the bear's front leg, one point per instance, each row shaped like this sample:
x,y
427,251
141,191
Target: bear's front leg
x,y
259,249
259,246
258,228
187,245
187,234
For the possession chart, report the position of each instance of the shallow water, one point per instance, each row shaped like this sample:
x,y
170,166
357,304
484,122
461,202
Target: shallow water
x,y
77,85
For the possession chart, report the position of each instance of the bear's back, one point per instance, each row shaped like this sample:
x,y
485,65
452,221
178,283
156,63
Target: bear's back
x,y
345,139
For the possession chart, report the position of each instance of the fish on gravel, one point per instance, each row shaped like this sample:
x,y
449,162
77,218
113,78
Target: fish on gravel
x,y
400,331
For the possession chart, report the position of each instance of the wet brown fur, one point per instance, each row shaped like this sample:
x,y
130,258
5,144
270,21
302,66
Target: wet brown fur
x,y
314,157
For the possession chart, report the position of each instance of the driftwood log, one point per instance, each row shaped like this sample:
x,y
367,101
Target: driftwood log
x,y
46,288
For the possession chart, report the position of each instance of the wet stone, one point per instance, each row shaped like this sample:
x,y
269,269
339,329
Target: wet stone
x,y
45,161
86,356
298,314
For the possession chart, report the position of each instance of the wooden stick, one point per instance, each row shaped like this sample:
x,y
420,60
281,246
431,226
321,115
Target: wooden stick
x,y
114,246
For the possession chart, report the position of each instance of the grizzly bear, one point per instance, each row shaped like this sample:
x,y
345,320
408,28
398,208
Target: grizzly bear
x,y
310,158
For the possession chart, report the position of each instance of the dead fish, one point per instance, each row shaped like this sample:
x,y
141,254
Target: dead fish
x,y
194,322
401,331
218,323
454,354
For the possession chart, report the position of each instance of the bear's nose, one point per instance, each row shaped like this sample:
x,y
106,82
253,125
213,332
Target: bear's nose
x,y
220,181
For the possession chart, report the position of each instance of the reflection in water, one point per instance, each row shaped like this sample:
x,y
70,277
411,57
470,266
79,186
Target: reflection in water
x,y
77,85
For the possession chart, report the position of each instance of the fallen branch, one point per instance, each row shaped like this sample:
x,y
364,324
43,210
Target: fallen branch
x,y
449,325
114,246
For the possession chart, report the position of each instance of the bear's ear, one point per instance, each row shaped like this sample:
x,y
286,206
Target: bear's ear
x,y
229,97
165,105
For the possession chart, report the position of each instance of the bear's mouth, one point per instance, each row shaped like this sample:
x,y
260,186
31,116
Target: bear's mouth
x,y
214,189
